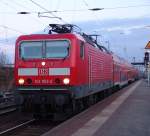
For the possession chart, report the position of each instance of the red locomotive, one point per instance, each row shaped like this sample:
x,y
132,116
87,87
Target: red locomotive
x,y
62,72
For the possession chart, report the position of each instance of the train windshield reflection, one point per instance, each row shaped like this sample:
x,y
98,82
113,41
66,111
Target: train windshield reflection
x,y
44,49
57,49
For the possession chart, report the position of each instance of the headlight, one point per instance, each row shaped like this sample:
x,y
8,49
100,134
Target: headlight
x,y
66,81
43,63
21,81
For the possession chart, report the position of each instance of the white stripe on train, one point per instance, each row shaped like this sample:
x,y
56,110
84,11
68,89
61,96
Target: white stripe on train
x,y
34,71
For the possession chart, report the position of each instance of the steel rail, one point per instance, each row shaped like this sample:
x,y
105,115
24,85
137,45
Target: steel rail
x,y
16,127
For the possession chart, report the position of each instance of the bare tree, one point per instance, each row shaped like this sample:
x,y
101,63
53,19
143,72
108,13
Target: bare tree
x,y
6,77
3,59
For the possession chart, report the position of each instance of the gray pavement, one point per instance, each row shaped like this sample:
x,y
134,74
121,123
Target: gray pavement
x,y
132,118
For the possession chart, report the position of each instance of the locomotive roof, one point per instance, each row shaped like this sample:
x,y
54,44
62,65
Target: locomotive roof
x,y
46,36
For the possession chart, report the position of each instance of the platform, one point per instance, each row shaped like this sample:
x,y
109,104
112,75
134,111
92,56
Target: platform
x,y
125,113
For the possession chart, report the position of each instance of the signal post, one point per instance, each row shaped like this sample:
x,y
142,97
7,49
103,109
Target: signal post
x,y
147,61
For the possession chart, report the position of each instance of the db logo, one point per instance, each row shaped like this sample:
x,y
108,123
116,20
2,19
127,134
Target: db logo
x,y
43,71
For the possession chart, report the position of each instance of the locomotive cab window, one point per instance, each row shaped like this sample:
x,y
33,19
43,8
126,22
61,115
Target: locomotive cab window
x,y
82,50
32,49
57,49
44,49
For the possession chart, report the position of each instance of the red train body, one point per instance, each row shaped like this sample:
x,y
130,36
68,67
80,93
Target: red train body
x,y
58,69
123,72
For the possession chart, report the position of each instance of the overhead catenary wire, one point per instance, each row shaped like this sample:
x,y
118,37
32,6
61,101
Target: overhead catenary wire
x,y
14,6
7,4
45,9
133,6
20,5
51,12
97,22
86,3
93,11
99,8
54,16
12,29
6,27
78,10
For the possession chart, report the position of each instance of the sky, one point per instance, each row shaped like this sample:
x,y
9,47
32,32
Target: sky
x,y
123,25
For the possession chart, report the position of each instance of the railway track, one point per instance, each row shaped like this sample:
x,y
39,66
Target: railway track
x,y
7,103
18,124
10,130
9,120
8,109
29,128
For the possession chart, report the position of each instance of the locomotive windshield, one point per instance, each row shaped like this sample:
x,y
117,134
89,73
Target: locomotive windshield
x,y
44,49
57,49
31,50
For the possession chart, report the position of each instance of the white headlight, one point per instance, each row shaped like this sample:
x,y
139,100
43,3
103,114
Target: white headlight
x,y
43,63
66,81
21,81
